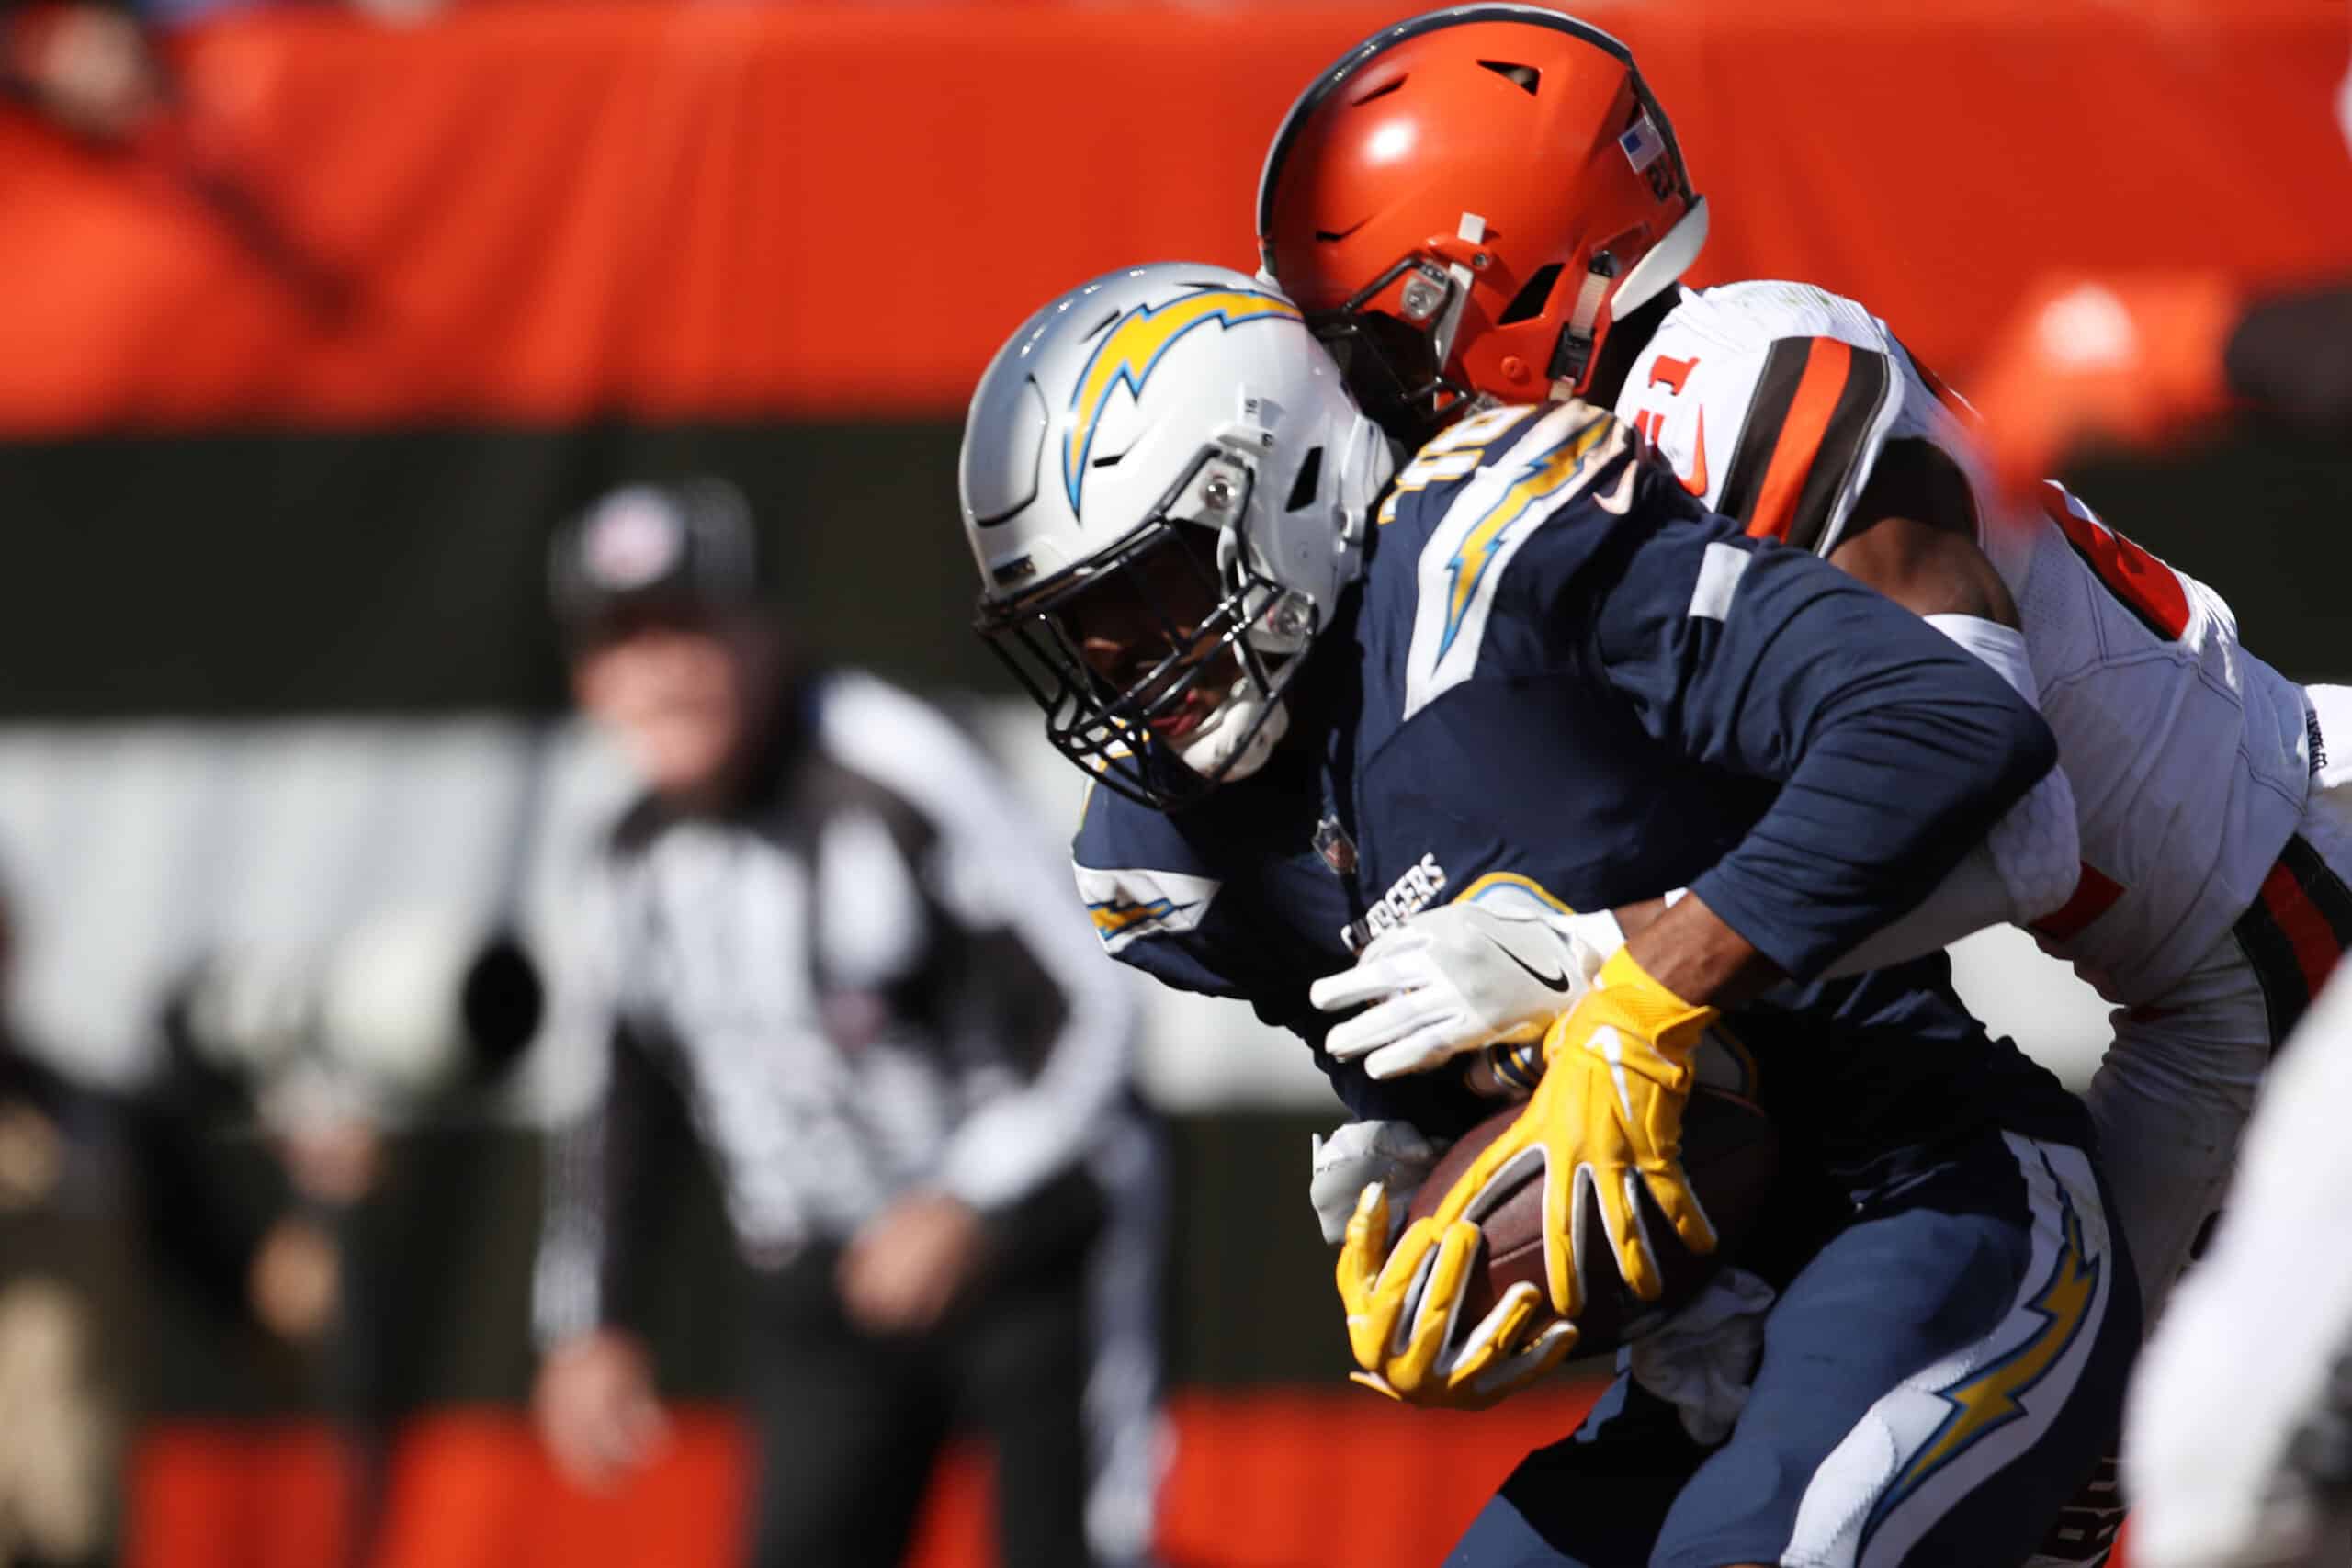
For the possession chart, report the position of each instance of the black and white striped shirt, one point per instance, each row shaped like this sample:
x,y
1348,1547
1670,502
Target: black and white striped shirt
x,y
871,979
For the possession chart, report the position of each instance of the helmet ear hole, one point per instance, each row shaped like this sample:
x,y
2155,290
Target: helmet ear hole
x,y
1532,296
1309,480
1526,78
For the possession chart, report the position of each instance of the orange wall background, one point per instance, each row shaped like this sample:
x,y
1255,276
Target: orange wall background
x,y
538,209
1269,1479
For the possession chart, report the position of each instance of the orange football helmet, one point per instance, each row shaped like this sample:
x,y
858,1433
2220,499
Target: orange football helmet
x,y
1468,199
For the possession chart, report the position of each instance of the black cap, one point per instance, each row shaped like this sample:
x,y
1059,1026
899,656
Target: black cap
x,y
684,546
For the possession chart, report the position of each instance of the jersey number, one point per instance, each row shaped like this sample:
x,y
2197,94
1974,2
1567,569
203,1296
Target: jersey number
x,y
2143,584
1671,374
1650,424
1454,455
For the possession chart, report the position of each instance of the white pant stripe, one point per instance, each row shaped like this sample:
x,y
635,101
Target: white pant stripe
x,y
1947,1428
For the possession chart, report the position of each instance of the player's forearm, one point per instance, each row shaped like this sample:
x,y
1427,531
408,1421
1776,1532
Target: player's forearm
x,y
1889,796
1973,896
2026,866
1894,751
1695,953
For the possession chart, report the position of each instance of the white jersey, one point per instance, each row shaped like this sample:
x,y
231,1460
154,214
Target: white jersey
x,y
2189,758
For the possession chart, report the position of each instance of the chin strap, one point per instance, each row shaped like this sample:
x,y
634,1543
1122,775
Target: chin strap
x,y
1573,357
1656,272
1472,231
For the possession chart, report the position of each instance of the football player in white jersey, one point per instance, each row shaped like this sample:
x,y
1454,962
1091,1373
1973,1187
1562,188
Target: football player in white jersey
x,y
1488,202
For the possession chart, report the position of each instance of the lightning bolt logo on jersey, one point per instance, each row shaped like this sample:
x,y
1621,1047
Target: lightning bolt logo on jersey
x,y
1125,905
1132,347
1500,506
1543,476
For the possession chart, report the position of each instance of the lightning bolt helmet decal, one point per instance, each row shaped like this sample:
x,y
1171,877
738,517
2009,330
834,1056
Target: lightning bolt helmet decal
x,y
1132,348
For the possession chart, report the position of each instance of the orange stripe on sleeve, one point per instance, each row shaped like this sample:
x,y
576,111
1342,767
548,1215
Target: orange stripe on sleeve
x,y
2094,894
2305,925
1826,369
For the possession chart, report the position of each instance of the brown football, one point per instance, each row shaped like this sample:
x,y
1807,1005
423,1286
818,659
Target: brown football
x,y
1729,1151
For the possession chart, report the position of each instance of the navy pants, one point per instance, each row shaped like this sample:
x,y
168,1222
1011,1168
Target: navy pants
x,y
1935,1382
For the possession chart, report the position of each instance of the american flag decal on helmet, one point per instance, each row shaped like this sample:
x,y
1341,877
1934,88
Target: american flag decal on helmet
x,y
1642,143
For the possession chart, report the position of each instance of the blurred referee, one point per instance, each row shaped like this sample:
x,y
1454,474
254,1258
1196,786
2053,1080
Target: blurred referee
x,y
832,933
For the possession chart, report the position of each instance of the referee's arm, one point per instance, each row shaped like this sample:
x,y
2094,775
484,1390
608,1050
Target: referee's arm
x,y
1030,1019
1038,975
595,1402
1023,977
604,1172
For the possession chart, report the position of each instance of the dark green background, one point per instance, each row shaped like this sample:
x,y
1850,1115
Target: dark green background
x,y
270,572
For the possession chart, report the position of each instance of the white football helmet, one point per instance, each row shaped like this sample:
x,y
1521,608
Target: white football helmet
x,y
1162,415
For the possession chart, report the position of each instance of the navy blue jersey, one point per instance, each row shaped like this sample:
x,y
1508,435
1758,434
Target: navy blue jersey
x,y
1563,680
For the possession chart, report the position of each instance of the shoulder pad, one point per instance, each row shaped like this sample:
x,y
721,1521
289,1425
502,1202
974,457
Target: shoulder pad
x,y
1756,312
1135,871
1771,401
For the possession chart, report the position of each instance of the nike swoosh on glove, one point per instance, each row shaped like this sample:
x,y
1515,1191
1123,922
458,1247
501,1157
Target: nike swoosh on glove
x,y
1458,977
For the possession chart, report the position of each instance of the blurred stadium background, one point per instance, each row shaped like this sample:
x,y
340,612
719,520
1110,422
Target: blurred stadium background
x,y
314,319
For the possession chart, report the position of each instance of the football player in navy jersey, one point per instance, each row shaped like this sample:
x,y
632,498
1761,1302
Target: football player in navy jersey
x,y
1330,704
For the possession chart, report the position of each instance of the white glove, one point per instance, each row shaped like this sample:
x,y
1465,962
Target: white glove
x,y
1703,1360
1459,977
1359,1154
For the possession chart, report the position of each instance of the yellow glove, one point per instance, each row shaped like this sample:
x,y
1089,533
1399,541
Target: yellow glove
x,y
1608,1112
1412,1359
